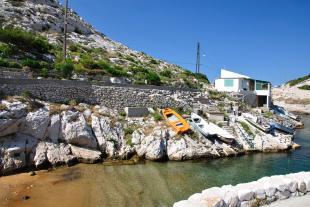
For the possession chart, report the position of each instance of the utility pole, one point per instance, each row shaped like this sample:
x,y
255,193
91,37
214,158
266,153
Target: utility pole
x,y
65,32
198,59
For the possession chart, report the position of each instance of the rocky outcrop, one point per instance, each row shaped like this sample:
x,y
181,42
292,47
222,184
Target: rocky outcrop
x,y
75,130
16,152
89,134
53,154
153,146
110,135
261,192
36,123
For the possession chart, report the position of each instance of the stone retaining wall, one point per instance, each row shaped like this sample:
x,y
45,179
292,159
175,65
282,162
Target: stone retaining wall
x,y
110,95
258,193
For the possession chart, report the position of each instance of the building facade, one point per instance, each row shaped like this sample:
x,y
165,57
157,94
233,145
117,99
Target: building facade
x,y
256,92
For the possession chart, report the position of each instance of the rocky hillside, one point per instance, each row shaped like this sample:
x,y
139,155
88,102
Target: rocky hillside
x,y
92,53
294,95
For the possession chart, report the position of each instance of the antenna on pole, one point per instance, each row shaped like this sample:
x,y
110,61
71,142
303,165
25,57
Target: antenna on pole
x,y
198,58
65,32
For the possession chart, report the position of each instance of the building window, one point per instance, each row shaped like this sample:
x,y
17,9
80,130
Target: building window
x,y
228,82
261,85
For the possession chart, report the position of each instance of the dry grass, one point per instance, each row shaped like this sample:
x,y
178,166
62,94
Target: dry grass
x,y
2,107
55,109
298,101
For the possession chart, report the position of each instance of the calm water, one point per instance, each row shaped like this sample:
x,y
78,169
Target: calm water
x,y
158,184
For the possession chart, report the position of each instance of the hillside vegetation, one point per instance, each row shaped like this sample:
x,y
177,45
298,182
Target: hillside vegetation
x,y
35,44
298,80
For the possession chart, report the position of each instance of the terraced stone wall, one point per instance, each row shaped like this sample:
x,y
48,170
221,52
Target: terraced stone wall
x,y
110,95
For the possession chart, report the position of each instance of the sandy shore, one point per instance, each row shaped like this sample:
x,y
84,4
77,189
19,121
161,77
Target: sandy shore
x,y
25,190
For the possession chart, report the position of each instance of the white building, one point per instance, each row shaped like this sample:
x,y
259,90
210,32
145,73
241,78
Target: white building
x,y
256,92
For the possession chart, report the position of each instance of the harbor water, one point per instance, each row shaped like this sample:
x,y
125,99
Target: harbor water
x,y
149,184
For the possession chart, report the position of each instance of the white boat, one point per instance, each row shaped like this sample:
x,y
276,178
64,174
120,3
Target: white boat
x,y
210,129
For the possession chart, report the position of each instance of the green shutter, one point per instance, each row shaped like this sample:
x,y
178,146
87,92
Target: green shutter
x,y
228,82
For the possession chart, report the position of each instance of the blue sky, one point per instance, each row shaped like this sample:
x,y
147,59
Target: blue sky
x,y
265,39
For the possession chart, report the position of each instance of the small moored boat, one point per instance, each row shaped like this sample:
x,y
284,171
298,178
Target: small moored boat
x,y
210,129
175,121
282,128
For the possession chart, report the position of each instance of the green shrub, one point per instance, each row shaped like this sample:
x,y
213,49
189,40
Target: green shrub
x,y
24,40
246,127
74,47
166,73
4,63
122,113
153,61
129,130
116,71
88,62
65,69
202,77
44,72
26,95
305,87
32,64
6,50
157,116
73,102
153,79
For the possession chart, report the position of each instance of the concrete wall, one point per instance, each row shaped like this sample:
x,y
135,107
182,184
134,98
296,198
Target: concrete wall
x,y
258,193
220,86
110,95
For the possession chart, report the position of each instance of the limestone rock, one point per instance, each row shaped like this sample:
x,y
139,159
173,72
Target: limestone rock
x,y
16,109
245,195
36,123
59,154
86,155
153,147
74,130
110,135
9,126
54,129
16,152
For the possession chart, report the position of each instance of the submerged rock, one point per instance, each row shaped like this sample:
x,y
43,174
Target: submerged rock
x,y
74,130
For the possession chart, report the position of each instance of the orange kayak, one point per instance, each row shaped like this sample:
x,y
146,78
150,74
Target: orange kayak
x,y
175,121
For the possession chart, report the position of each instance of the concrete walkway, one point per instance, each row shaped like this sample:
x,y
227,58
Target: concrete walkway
x,y
303,201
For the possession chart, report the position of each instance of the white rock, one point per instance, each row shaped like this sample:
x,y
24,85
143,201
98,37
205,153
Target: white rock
x,y
54,129
59,154
36,123
245,194
74,130
154,146
16,109
270,189
281,195
9,126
